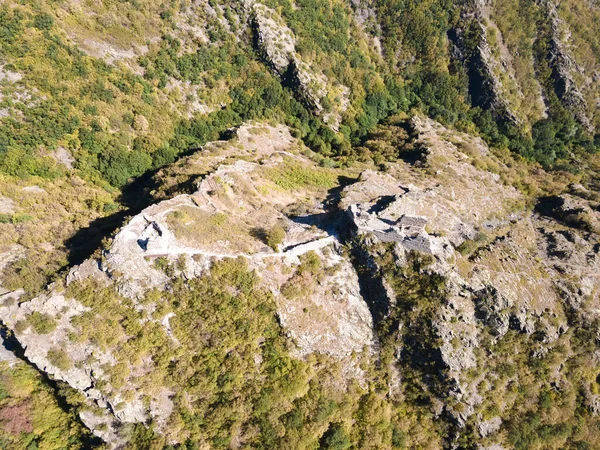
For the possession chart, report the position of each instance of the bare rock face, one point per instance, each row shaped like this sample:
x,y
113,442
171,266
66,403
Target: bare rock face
x,y
58,311
278,44
7,205
8,75
496,64
571,210
508,273
565,66
334,319
493,308
487,427
366,18
275,38
224,218
573,263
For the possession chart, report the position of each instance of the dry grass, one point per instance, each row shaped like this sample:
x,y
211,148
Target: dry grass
x,y
200,228
293,176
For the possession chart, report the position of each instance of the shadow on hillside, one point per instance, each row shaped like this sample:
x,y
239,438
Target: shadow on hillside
x,y
336,222
332,220
134,197
10,343
549,206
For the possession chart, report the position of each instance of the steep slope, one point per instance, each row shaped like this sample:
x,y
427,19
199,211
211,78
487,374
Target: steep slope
x,y
231,225
232,213
424,275
530,59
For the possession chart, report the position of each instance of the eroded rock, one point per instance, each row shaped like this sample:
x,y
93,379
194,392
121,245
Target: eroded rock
x,y
278,44
186,235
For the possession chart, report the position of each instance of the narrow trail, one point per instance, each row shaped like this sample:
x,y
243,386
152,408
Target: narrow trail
x,y
291,251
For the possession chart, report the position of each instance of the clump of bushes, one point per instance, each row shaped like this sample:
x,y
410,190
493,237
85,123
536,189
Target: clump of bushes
x,y
470,245
274,236
42,323
59,358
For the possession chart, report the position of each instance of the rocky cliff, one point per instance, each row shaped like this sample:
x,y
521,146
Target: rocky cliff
x,y
278,45
333,257
297,225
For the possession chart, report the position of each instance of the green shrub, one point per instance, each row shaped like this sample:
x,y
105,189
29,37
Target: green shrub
x,y
162,263
59,358
470,245
15,218
43,21
42,323
310,262
336,438
274,236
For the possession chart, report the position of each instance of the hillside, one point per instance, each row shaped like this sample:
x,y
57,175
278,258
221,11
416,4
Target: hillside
x,y
302,225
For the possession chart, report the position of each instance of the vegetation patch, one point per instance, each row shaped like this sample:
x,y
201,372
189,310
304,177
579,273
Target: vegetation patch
x,y
59,358
274,236
293,175
42,323
30,416
201,228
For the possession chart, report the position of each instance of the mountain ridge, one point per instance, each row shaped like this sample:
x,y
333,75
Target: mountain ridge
x,y
365,224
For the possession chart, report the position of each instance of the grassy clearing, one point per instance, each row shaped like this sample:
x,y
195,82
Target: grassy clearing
x,y
201,228
293,176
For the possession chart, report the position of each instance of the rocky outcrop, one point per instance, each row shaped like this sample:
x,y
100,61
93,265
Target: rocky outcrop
x,y
499,286
9,78
278,45
395,217
564,66
274,38
83,364
507,273
493,309
189,233
365,15
479,45
572,210
497,64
